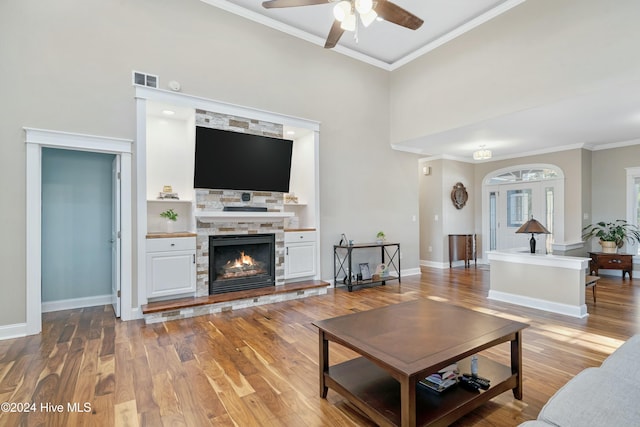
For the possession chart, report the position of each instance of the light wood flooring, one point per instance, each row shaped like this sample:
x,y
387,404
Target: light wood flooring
x,y
258,366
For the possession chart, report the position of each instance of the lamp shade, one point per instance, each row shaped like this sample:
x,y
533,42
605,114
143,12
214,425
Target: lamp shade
x,y
533,226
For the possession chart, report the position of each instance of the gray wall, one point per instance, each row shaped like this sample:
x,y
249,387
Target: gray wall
x,y
537,53
435,199
66,65
609,183
430,199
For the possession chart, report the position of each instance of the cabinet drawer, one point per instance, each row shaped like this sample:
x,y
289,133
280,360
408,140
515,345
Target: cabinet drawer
x,y
614,262
299,236
171,244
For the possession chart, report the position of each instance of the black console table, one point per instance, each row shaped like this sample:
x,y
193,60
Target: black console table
x,y
342,262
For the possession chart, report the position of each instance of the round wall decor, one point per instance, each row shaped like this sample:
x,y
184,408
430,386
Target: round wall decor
x,y
459,195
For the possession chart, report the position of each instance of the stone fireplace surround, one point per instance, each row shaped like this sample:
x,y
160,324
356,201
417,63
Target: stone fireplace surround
x,y
233,227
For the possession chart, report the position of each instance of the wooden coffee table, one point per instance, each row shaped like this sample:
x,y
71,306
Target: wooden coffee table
x,y
403,343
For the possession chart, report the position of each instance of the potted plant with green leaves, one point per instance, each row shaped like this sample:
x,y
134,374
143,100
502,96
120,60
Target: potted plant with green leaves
x,y
171,217
380,237
612,235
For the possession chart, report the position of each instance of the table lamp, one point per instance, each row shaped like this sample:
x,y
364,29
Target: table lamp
x,y
534,227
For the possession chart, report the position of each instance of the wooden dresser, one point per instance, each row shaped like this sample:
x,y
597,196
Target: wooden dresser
x,y
607,261
462,247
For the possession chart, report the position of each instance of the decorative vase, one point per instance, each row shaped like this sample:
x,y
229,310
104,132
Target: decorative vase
x,y
170,225
609,247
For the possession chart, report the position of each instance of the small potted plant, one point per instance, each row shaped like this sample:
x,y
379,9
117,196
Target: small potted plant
x,y
612,235
171,217
380,237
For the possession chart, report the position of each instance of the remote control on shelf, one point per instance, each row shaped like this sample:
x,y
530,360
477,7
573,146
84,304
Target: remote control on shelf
x,y
469,384
483,383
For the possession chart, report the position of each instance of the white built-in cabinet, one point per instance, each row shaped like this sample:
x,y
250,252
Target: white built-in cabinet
x,y
171,266
300,254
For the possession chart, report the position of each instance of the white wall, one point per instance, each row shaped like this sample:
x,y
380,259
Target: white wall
x,y
303,172
170,154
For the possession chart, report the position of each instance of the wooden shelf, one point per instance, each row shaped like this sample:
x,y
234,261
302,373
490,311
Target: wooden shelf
x,y
370,281
372,389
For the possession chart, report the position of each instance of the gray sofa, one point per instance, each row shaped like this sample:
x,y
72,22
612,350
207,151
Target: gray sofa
x,y
604,396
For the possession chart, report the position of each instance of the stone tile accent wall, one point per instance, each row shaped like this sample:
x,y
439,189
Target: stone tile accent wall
x,y
238,124
215,200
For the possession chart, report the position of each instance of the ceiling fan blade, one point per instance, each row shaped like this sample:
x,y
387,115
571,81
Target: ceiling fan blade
x,y
334,35
291,3
393,13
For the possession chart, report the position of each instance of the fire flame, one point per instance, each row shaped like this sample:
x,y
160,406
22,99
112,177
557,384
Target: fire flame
x,y
244,260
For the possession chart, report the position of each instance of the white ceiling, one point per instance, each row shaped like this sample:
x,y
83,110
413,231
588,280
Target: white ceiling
x,y
597,120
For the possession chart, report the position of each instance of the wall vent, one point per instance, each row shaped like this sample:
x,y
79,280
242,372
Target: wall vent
x,y
144,79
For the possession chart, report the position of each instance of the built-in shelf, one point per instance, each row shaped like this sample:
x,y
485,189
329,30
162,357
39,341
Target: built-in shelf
x,y
168,201
210,216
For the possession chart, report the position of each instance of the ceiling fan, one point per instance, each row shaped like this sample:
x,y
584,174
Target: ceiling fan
x,y
345,13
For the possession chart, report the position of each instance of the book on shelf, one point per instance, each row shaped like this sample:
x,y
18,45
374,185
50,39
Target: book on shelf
x,y
442,380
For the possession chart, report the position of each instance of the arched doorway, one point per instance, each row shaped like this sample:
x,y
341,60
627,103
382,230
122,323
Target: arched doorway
x,y
511,196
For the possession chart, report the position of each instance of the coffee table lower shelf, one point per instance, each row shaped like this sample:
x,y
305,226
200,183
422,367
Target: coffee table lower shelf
x,y
377,394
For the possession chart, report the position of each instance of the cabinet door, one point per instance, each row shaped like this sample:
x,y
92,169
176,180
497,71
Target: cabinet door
x,y
170,273
300,260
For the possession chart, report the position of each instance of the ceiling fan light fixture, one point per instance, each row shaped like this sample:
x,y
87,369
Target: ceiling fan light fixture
x,y
349,23
341,10
364,6
368,18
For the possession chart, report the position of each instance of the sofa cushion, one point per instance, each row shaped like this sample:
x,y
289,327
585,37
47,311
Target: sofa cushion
x,y
625,359
595,397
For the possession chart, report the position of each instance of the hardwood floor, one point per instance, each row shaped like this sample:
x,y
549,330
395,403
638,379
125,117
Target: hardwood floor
x,y
258,366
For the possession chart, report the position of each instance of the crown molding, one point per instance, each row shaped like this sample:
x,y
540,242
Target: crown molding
x,y
288,29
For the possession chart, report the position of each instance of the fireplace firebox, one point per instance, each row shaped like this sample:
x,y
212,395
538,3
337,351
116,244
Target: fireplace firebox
x,y
241,262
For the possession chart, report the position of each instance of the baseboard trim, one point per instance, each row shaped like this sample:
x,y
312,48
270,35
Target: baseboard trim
x,y
411,272
539,304
443,265
70,304
434,264
17,330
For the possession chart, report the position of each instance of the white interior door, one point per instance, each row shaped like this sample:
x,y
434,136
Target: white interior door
x,y
115,238
516,204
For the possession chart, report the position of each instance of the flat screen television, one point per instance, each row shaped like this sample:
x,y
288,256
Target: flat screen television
x,y
229,160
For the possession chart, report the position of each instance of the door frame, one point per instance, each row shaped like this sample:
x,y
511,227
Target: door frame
x,y
116,241
558,184
35,140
